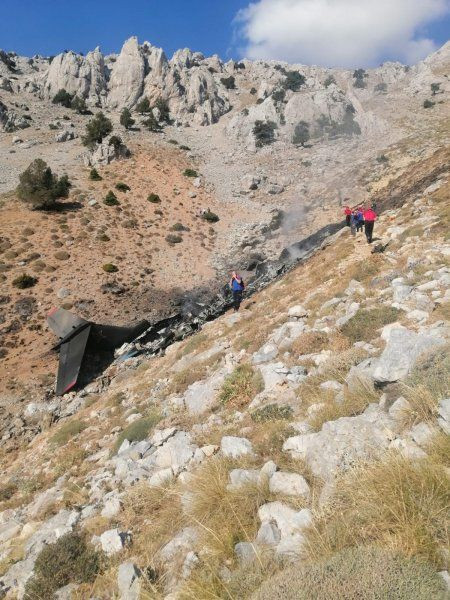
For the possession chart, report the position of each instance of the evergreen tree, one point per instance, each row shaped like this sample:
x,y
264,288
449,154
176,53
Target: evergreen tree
x,y
126,120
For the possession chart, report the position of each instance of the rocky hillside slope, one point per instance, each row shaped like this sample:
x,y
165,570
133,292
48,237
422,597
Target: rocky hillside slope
x,y
296,449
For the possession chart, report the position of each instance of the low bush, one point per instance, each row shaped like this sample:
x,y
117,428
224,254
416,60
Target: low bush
x,y
162,107
179,227
382,159
126,120
69,560
62,255
67,432
264,132
381,88
329,81
364,573
94,175
122,187
111,199
241,386
228,82
79,105
171,238
183,147
173,142
210,216
110,268
272,412
24,281
7,491
40,188
143,106
96,130
428,104
154,198
253,91
151,123
294,81
63,97
364,325
190,173
138,430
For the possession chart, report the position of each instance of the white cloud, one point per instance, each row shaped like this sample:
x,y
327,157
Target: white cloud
x,y
346,33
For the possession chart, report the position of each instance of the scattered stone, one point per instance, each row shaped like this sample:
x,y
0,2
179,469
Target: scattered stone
x,y
234,447
113,541
289,484
128,581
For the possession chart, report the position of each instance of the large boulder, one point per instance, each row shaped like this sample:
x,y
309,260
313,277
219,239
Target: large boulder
x,y
127,77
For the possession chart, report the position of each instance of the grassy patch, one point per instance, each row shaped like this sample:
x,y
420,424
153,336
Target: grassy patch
x,y
366,573
138,430
272,412
67,432
110,268
190,173
396,503
68,560
241,386
183,379
194,343
364,325
24,281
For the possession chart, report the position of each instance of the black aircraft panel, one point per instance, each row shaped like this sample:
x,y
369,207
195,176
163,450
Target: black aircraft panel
x,y
62,322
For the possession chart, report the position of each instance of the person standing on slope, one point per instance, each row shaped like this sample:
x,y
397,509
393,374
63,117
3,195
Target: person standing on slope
x,y
369,221
353,223
348,214
237,287
359,218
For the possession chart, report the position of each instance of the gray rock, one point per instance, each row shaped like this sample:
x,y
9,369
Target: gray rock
x,y
111,508
289,484
422,434
113,541
128,581
64,136
267,353
242,477
175,453
268,534
444,415
298,311
245,551
182,543
290,523
63,293
235,447
66,592
342,443
400,409
9,530
446,577
402,350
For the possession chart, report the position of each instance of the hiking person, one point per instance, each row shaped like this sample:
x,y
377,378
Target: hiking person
x,y
348,214
369,221
237,287
359,219
353,223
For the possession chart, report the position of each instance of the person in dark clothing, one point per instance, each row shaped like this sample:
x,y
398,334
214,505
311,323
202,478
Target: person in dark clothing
x,y
348,214
237,287
369,221
359,219
353,223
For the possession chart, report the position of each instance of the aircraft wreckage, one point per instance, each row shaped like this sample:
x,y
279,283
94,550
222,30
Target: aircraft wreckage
x,y
78,337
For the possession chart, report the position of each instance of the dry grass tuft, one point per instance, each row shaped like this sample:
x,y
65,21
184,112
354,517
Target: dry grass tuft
x,y
241,386
396,503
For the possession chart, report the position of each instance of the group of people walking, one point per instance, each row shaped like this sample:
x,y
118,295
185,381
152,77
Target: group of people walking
x,y
361,218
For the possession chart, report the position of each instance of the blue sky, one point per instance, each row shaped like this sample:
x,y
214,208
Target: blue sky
x,y
281,29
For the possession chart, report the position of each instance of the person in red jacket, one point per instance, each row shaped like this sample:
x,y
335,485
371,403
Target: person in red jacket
x,y
348,214
369,221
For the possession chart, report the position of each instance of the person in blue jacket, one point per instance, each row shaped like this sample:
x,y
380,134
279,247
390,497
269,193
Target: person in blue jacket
x,y
237,287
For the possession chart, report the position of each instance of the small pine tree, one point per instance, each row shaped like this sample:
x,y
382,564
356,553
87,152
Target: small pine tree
x,y
111,199
94,175
126,120
301,134
143,106
97,129
151,123
294,81
79,105
435,88
39,187
264,132
428,104
62,97
329,81
228,82
163,108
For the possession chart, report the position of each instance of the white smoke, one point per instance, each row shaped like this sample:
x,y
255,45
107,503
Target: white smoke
x,y
339,33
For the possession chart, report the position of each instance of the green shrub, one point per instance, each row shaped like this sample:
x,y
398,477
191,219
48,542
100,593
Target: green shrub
x,y
183,147
24,281
428,104
79,105
253,91
435,88
62,255
364,573
40,188
381,87
173,142
294,81
67,432
359,76
264,132
103,238
7,491
382,159
363,326
228,82
64,98
241,386
152,124
122,187
111,199
301,134
163,108
278,95
272,412
69,560
94,175
115,141
138,430
96,130
210,216
143,106
329,81
190,173
126,120
154,198
110,268
173,239
179,227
